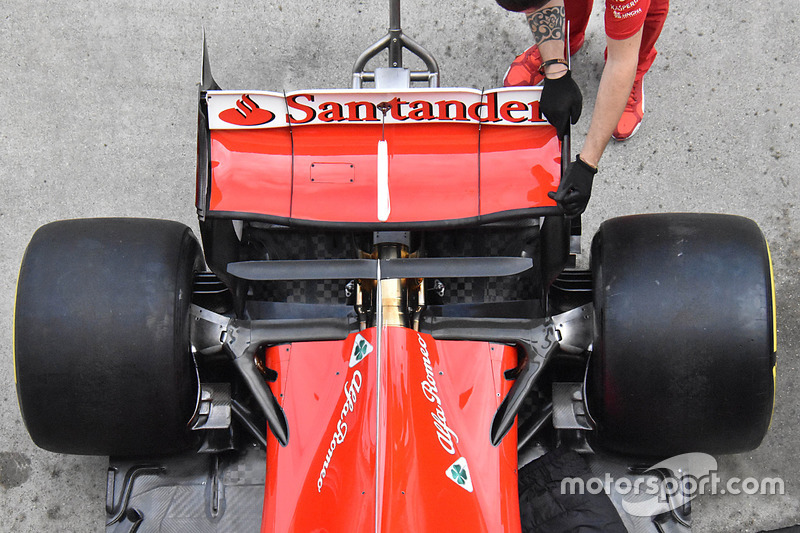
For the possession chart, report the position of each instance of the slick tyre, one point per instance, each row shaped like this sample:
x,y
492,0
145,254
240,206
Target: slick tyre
x,y
103,364
684,355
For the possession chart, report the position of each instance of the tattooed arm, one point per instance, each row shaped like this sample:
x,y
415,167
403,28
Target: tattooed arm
x,y
547,25
561,101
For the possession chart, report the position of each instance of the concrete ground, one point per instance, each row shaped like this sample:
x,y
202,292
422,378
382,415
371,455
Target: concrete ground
x,y
99,117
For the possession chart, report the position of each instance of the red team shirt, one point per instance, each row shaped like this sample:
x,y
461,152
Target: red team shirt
x,y
625,17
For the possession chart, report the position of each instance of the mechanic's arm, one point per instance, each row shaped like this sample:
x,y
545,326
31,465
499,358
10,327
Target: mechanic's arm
x,y
561,101
612,95
616,83
547,26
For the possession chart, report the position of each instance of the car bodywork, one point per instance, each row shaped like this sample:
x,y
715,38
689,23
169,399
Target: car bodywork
x,y
390,292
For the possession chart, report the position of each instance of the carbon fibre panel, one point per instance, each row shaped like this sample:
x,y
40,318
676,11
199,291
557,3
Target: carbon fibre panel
x,y
198,493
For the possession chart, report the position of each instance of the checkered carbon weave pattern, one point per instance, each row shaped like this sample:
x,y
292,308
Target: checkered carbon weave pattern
x,y
285,244
486,290
298,245
484,242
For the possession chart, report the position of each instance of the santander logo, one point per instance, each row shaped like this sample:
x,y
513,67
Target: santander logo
x,y
246,113
259,109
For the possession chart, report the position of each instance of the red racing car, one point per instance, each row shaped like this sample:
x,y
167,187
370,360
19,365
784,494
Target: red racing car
x,y
384,324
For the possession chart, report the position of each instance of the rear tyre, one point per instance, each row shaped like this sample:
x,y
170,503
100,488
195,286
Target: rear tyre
x,y
685,352
103,363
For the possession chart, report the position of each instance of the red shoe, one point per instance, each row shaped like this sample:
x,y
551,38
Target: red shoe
x,y
632,116
524,70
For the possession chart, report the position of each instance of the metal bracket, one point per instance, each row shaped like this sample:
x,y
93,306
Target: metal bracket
x,y
212,332
394,42
207,329
118,510
575,329
569,407
239,346
538,348
392,78
539,339
214,409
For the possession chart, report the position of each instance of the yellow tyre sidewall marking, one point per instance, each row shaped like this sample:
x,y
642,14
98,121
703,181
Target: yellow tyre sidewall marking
x,y
774,331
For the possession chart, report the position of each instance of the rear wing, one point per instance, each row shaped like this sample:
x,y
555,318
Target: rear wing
x,y
331,157
374,158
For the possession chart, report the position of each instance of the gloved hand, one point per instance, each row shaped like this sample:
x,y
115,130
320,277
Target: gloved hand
x,y
575,188
561,102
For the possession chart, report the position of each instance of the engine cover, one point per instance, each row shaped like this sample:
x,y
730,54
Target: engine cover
x,y
391,435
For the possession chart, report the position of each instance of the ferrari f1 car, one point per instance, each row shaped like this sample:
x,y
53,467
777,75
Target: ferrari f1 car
x,y
384,323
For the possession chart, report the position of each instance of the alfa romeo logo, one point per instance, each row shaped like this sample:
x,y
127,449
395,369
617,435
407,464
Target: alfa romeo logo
x,y
361,349
459,473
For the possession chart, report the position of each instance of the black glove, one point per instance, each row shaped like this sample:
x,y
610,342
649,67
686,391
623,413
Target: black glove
x,y
561,102
575,188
